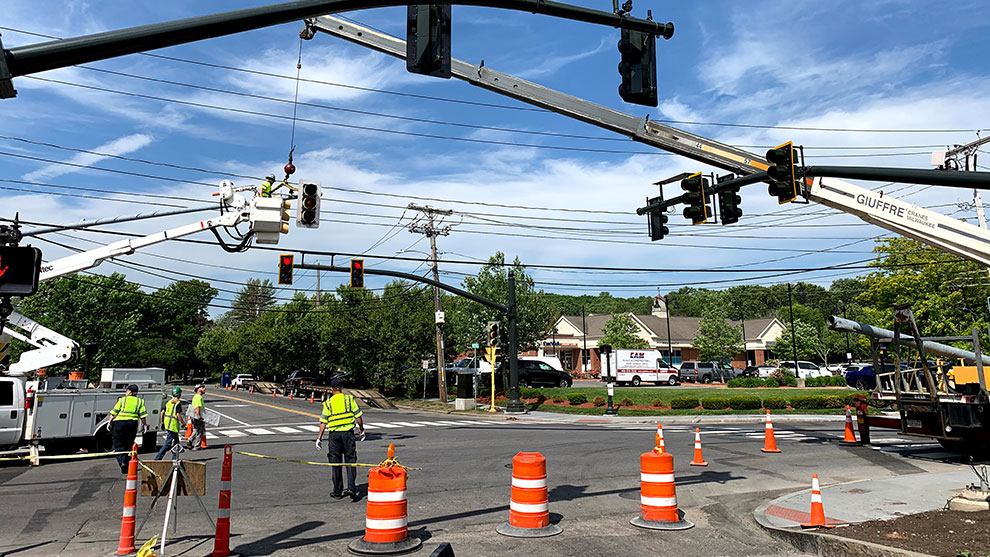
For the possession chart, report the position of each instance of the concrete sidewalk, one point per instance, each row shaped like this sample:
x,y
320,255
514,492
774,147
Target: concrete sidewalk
x,y
864,500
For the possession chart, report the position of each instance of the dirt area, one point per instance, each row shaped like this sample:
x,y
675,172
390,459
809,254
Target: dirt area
x,y
940,533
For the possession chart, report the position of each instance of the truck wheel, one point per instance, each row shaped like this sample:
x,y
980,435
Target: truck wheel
x,y
672,381
636,381
861,385
706,379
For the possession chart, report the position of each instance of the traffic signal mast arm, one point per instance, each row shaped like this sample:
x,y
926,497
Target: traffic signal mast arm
x,y
951,235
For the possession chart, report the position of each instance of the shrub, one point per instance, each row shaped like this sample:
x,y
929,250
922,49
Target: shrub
x,y
577,398
837,381
657,403
848,398
626,402
771,382
810,402
744,402
735,383
784,378
774,403
715,403
684,403
558,399
832,401
747,382
598,401
815,382
526,392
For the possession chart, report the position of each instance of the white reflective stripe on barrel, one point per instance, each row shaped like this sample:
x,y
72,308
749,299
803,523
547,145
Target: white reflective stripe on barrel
x,y
129,511
658,501
528,508
656,478
533,484
380,524
132,484
224,485
386,496
223,513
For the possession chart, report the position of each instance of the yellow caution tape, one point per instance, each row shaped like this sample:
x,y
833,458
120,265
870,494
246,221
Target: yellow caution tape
x,y
391,462
64,456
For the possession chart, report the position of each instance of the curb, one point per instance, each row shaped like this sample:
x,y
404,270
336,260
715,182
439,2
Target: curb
x,y
827,545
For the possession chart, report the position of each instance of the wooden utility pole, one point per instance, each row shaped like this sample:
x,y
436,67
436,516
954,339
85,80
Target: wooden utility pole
x,y
431,231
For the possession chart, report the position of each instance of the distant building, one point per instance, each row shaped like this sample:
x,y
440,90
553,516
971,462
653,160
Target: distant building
x,y
575,340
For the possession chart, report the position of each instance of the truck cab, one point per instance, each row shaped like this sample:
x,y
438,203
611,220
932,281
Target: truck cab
x,y
11,411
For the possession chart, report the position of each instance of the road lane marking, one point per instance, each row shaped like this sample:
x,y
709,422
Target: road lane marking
x,y
431,424
310,427
382,424
445,423
211,436
408,424
286,429
229,405
272,406
233,433
368,426
260,431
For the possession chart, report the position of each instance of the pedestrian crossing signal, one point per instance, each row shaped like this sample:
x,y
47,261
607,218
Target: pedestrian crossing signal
x,y
285,268
357,273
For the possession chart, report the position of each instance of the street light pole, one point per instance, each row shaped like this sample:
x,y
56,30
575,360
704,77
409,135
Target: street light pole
x,y
609,381
790,306
742,321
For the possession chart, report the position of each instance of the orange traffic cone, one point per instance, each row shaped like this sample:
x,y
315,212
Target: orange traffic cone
x,y
202,442
769,443
252,389
850,436
290,395
274,393
126,545
235,388
221,541
698,460
659,437
189,428
311,399
817,510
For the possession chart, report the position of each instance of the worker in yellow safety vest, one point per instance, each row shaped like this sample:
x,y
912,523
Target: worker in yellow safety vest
x,y
171,422
340,412
265,190
124,424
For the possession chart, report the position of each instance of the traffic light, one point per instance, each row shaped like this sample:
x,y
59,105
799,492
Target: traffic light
x,y
696,198
269,219
19,270
308,215
782,173
638,67
285,268
493,333
728,205
428,40
357,273
658,225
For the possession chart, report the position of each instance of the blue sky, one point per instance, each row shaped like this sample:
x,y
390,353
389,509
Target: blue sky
x,y
886,65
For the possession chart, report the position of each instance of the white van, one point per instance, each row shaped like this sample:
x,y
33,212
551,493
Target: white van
x,y
634,367
552,361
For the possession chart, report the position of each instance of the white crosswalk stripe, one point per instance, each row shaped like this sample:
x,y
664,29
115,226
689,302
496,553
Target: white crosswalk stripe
x,y
408,424
382,424
285,429
304,428
259,431
310,427
232,433
211,436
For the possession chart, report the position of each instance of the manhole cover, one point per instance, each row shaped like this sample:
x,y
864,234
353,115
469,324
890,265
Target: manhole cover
x,y
857,491
630,494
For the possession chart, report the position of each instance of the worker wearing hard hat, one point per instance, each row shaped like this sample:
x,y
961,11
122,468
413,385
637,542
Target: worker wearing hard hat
x,y
124,424
198,439
266,188
171,421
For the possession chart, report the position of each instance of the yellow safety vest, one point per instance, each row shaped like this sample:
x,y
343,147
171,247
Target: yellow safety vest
x,y
129,408
266,189
340,412
170,419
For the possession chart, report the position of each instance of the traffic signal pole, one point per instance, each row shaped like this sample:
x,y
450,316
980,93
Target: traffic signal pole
x,y
514,404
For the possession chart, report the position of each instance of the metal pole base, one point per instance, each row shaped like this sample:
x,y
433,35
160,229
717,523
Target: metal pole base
x,y
518,408
361,547
507,529
658,525
611,412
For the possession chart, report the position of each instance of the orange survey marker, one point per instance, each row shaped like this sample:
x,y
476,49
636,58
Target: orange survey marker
x,y
698,459
529,508
659,437
817,510
221,543
386,523
850,436
126,545
769,442
658,495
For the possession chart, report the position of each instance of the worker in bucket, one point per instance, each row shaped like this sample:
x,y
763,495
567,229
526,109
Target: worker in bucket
x,y
123,424
266,188
171,421
340,412
198,439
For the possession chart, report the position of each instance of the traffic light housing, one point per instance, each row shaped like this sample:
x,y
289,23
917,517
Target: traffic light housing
x,y
269,219
728,206
19,270
493,333
783,173
357,273
285,268
638,67
658,222
308,215
428,40
695,187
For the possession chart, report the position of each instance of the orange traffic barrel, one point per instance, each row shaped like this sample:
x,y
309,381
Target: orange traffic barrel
x,y
529,507
386,524
126,543
658,496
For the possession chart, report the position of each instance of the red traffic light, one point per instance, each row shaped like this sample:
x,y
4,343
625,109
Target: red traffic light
x,y
287,260
358,264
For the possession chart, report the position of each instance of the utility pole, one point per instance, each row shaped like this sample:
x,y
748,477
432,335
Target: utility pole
x,y
431,231
950,161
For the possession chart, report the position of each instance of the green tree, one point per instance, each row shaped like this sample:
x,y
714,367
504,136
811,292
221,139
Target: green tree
x,y
807,341
176,317
621,332
716,340
252,300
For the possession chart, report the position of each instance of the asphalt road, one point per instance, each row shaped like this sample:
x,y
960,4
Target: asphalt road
x,y
462,492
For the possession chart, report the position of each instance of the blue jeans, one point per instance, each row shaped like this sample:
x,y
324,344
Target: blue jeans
x,y
171,439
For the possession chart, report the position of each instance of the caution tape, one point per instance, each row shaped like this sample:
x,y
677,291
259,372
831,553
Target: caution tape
x,y
391,462
64,456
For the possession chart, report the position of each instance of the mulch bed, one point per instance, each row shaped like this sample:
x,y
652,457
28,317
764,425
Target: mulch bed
x,y
940,533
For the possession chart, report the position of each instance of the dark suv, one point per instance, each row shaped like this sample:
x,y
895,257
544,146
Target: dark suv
x,y
300,379
705,372
533,373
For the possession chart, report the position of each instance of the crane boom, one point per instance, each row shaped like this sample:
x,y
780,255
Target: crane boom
x,y
907,219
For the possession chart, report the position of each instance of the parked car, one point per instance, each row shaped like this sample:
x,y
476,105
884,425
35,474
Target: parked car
x,y
533,373
300,379
758,371
864,378
806,369
464,364
706,372
240,378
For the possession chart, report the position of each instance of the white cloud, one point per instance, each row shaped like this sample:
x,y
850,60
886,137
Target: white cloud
x,y
120,146
552,64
